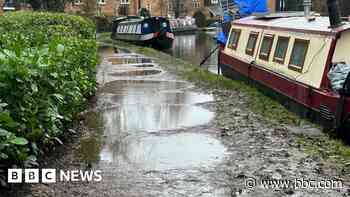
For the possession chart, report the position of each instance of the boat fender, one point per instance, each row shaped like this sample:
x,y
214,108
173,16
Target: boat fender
x,y
338,75
346,88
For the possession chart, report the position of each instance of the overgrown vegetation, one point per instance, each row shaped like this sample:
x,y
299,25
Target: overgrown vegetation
x,y
47,70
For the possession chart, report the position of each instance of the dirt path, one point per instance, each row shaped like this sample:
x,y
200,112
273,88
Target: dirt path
x,y
154,134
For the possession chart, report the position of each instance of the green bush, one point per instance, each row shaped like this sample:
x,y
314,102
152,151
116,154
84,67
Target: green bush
x,y
33,24
45,77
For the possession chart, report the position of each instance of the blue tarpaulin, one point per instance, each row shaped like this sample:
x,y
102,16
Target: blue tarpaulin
x,y
246,8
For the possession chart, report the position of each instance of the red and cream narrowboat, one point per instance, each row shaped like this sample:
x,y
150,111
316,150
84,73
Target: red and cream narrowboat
x,y
293,55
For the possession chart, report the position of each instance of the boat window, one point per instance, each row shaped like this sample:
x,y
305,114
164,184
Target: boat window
x,y
124,28
266,46
281,49
253,37
298,56
234,38
139,28
129,28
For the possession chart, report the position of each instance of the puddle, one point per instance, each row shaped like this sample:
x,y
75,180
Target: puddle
x,y
177,151
156,98
136,73
153,118
147,124
121,50
121,60
153,105
144,65
141,86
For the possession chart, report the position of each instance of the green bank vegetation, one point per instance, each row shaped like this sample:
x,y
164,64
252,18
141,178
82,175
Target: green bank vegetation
x,y
47,72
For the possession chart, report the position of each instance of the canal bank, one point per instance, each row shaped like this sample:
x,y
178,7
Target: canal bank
x,y
162,127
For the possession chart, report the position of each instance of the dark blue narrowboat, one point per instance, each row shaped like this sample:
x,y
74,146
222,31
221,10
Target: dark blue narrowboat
x,y
150,31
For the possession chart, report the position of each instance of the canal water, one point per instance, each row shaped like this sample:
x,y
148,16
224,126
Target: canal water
x,y
151,134
195,47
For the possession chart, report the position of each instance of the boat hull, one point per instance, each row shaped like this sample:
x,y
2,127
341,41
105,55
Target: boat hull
x,y
320,105
153,40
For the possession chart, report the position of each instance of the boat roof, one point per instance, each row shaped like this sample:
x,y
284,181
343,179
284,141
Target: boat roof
x,y
137,20
132,21
291,22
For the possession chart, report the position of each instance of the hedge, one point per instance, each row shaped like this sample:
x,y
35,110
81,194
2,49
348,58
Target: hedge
x,y
47,72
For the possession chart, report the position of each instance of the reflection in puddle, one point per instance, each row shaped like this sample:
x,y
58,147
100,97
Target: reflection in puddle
x,y
136,73
90,145
120,60
177,151
140,118
154,98
153,118
141,86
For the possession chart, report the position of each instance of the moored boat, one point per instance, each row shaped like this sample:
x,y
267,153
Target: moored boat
x,y
150,31
304,58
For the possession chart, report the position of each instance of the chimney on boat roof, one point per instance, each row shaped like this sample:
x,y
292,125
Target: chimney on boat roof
x,y
334,13
307,8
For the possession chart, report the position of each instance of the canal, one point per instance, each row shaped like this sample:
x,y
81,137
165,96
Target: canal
x,y
195,47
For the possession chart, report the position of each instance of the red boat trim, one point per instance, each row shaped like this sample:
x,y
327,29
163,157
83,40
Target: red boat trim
x,y
306,95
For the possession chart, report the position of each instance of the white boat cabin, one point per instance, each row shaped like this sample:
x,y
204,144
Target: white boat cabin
x,y
295,47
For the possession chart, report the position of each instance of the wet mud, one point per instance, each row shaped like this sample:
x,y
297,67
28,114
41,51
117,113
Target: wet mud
x,y
155,135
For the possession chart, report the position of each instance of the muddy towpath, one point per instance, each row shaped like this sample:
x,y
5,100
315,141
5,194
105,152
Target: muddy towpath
x,y
156,130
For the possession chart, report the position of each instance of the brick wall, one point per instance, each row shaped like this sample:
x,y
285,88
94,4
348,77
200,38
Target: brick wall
x,y
108,8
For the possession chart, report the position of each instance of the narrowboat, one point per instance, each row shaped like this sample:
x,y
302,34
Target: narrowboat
x,y
150,31
304,58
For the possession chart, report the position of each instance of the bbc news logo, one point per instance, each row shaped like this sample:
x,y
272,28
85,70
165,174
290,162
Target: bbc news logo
x,y
52,176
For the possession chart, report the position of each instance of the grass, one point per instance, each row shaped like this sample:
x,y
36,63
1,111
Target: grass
x,y
325,147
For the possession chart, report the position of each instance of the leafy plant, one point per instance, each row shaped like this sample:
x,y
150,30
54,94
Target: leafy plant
x,y
47,70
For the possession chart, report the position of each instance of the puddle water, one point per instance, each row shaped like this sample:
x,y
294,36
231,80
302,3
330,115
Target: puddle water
x,y
177,151
152,93
144,65
136,73
153,118
141,86
120,60
138,122
156,98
